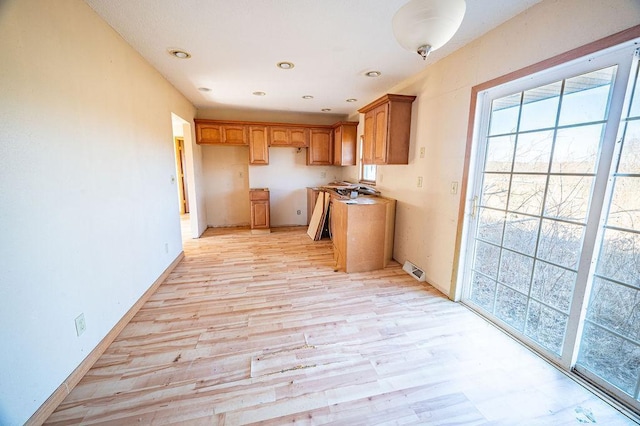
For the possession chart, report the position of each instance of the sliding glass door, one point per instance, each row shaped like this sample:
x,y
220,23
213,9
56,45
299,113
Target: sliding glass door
x,y
553,225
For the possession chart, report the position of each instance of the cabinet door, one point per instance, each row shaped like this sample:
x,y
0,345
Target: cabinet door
x,y
208,133
260,214
344,144
380,134
369,135
235,134
319,152
279,136
258,145
298,137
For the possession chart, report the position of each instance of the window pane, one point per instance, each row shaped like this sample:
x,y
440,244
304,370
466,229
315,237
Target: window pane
x,y
614,359
511,307
369,172
576,149
540,107
499,154
615,307
521,233
516,270
533,152
490,225
546,326
527,194
620,257
483,291
568,197
553,285
586,97
625,205
504,115
487,257
494,191
630,158
560,243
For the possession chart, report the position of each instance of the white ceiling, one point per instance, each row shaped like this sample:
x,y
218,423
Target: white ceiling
x,y
235,45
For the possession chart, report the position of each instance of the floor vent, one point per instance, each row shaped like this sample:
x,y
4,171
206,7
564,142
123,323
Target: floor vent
x,y
414,271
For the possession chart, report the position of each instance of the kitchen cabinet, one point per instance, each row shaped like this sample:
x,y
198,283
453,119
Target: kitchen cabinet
x,y
259,202
258,145
344,143
362,232
387,130
223,133
289,136
320,147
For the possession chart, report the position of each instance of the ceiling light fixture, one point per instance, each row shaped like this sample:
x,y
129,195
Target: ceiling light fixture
x,y
373,74
259,93
285,65
325,109
352,100
180,54
423,26
307,97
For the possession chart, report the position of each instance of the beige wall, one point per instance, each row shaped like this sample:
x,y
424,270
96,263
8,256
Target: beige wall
x,y
427,217
88,209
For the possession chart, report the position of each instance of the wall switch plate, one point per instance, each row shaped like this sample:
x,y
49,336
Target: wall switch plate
x,y
419,182
422,152
166,248
454,187
81,325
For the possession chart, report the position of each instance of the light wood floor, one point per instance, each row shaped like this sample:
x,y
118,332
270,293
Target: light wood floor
x,y
260,329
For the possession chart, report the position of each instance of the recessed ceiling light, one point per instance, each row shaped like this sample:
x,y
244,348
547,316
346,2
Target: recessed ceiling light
x,y
325,109
285,65
259,93
307,97
352,100
204,89
373,74
180,54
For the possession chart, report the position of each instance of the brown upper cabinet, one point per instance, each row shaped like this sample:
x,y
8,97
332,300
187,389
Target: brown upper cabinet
x,y
320,147
289,136
226,133
258,145
327,145
387,130
345,134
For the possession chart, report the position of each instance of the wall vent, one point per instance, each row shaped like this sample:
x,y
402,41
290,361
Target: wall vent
x,y
414,271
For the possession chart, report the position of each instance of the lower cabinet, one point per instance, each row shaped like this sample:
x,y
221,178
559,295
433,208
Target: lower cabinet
x,y
362,231
259,201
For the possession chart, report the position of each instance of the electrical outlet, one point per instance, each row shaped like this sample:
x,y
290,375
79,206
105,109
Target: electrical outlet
x,y
419,182
422,152
240,174
323,175
81,325
454,187
298,212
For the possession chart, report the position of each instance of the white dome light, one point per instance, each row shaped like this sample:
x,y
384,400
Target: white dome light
x,y
425,25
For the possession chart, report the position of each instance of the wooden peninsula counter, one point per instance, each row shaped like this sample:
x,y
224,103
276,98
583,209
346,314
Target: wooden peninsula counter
x,y
362,231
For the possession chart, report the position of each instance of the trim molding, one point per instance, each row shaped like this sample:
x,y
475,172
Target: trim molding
x,y
50,405
587,49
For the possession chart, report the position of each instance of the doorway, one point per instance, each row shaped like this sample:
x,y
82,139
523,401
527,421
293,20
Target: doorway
x,y
552,250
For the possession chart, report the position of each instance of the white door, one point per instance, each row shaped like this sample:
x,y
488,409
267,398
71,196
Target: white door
x,y
545,151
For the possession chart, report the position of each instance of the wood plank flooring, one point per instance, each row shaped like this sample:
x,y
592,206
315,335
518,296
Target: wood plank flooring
x,y
260,329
